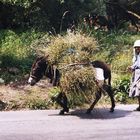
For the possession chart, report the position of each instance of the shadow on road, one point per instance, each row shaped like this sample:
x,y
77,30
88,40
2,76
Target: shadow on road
x,y
99,113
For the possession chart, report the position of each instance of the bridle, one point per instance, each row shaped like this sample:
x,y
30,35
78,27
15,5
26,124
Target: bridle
x,y
32,76
49,69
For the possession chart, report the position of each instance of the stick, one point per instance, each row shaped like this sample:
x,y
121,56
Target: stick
x,y
74,64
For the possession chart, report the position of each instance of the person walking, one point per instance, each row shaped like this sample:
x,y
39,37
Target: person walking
x,y
135,69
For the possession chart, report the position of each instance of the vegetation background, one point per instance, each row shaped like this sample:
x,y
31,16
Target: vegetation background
x,y
30,28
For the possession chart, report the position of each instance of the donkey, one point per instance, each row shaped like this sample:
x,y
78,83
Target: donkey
x,y
42,67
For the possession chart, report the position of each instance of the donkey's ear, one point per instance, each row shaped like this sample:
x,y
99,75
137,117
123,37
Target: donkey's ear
x,y
36,60
44,58
39,58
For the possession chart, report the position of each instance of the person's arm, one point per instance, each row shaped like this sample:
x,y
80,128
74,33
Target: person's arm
x,y
134,65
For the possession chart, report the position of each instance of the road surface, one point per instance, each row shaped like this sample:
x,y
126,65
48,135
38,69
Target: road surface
x,y
123,124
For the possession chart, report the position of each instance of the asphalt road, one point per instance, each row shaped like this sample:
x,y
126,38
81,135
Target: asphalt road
x,y
123,124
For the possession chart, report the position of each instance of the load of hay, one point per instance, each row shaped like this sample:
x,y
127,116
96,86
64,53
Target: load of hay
x,y
78,84
77,81
71,48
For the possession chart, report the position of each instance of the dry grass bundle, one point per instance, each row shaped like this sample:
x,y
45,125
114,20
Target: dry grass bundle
x,y
71,48
76,81
78,84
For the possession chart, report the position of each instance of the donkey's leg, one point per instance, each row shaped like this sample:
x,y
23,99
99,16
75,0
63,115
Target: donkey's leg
x,y
98,96
63,102
138,108
109,90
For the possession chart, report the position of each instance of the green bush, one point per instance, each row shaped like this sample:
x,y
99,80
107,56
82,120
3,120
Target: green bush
x,y
114,43
15,52
37,103
121,97
121,88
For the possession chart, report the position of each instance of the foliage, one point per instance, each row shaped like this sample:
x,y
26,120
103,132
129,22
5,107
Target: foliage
x,y
40,44
15,52
121,88
25,3
37,103
122,85
46,14
124,59
14,48
121,97
113,44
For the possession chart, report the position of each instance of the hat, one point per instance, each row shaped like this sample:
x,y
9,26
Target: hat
x,y
136,43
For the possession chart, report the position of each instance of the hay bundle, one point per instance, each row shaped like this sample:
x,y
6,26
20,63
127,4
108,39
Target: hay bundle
x,y
78,84
71,48
76,81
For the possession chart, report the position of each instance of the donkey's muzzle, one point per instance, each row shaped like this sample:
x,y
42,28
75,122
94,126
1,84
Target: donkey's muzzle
x,y
31,81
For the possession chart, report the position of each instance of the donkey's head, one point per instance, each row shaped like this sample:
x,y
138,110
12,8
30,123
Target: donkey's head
x,y
42,67
38,70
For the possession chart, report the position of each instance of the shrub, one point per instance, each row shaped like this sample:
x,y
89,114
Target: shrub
x,y
121,61
121,88
15,52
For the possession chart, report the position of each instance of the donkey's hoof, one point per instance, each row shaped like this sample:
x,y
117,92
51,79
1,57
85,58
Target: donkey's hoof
x,y
66,110
61,112
88,111
137,109
111,110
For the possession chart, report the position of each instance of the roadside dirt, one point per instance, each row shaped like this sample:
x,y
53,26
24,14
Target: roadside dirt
x,y
15,96
22,96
